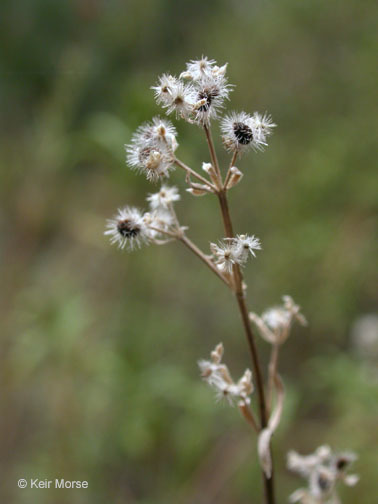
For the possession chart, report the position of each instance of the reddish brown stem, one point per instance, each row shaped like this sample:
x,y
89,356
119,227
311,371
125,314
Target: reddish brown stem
x,y
268,482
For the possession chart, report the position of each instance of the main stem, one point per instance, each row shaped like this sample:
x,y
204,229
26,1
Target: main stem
x,y
222,197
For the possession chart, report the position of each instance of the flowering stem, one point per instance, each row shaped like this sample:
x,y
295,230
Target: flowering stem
x,y
222,197
189,171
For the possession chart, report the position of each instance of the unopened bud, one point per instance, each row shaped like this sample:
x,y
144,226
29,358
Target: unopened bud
x,y
206,167
200,187
210,170
217,353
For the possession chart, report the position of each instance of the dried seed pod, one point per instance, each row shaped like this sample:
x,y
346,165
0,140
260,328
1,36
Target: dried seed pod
x,y
234,178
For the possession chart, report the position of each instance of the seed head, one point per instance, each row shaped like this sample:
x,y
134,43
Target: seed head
x,y
127,229
164,198
152,147
212,90
197,70
242,131
225,256
175,96
245,245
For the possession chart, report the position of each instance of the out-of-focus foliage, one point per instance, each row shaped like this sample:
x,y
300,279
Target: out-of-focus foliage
x,y
98,347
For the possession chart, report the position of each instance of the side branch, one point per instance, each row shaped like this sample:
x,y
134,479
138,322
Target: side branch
x,y
194,174
191,246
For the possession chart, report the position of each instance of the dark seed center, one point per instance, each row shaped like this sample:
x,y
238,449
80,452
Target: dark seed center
x,y
323,482
341,464
208,95
144,154
128,229
243,133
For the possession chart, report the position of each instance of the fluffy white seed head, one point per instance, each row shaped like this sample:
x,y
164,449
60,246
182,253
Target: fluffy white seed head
x,y
241,131
127,229
152,147
175,96
197,95
211,92
151,160
246,245
157,221
159,132
232,251
164,198
225,256
199,69
164,89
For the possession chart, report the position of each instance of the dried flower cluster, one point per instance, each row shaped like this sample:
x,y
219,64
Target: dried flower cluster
x,y
217,375
231,251
322,469
275,323
152,148
198,96
130,228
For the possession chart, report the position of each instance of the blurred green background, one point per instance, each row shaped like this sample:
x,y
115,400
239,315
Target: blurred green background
x,y
98,354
